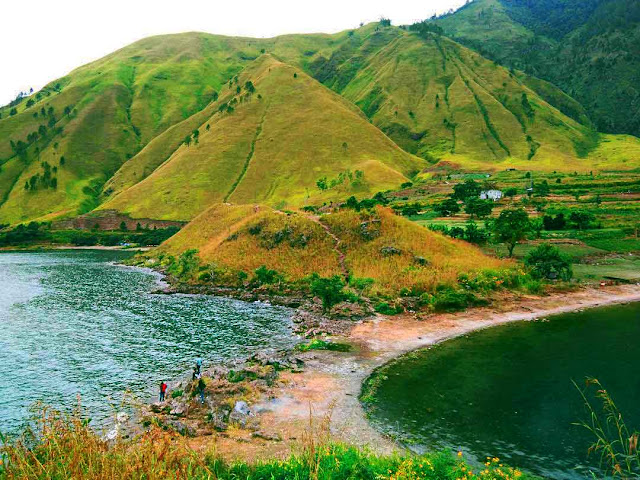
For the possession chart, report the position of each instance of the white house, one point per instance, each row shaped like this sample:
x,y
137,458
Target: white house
x,y
494,195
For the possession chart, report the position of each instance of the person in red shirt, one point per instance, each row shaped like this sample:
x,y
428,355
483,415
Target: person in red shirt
x,y
163,391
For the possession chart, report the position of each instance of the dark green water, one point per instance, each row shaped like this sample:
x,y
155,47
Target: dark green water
x,y
507,391
72,322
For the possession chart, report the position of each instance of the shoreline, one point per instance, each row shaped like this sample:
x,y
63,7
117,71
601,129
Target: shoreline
x,y
330,384
54,247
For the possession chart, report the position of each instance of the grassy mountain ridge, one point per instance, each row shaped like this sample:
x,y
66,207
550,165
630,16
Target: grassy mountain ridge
x,y
106,128
273,147
588,48
440,100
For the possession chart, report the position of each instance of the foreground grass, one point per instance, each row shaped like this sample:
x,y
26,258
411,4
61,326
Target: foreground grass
x,y
63,447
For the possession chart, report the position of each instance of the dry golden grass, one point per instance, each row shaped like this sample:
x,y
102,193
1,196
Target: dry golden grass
x,y
446,258
243,238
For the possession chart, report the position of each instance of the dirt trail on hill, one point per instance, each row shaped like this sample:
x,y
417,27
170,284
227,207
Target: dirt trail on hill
x,y
336,247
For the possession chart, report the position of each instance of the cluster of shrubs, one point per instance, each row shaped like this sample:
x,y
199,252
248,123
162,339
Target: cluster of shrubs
x,y
468,193
45,180
576,219
355,179
41,233
470,233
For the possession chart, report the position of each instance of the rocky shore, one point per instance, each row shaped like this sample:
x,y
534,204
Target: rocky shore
x,y
264,405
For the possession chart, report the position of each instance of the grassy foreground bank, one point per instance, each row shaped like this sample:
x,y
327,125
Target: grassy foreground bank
x,y
61,447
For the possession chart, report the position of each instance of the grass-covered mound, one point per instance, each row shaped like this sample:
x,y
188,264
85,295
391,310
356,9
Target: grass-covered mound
x,y
63,448
344,255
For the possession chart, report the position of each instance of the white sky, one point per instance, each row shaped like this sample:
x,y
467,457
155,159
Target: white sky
x,y
41,40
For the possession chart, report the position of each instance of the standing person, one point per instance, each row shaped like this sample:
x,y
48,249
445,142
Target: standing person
x,y
201,387
198,364
163,391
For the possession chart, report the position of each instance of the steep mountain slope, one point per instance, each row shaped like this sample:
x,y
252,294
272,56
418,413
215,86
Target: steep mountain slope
x,y
94,135
440,100
589,48
272,146
87,124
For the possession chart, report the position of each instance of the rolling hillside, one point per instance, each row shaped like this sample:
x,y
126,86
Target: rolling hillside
x,y
442,101
86,125
111,134
394,252
589,48
271,143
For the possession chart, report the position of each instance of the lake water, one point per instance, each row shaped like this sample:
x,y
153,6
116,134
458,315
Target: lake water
x,y
507,391
73,322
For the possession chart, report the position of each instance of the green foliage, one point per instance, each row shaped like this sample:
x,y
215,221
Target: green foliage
x,y
548,263
582,220
447,207
511,227
615,443
185,266
463,191
478,208
66,447
329,290
317,344
177,393
266,276
361,284
451,299
386,309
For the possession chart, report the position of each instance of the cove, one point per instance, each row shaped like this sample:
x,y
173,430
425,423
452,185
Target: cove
x,y
507,391
75,323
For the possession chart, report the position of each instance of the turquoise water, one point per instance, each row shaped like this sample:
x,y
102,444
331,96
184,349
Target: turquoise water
x,y
74,323
507,391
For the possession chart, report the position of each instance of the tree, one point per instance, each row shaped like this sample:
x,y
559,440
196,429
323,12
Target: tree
x,y
322,183
469,188
329,290
248,86
511,227
187,140
67,110
478,208
581,220
542,189
511,192
196,136
473,234
557,223
447,208
547,262
385,22
123,226
13,111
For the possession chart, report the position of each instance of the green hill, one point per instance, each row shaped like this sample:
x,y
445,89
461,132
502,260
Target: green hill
x,y
111,133
379,245
589,48
440,100
271,142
